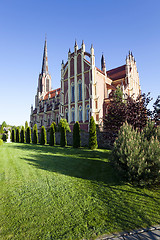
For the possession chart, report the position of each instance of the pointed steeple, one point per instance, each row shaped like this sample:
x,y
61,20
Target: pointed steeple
x,y
45,59
103,64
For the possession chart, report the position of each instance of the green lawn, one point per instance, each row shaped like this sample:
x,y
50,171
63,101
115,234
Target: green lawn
x,y
63,193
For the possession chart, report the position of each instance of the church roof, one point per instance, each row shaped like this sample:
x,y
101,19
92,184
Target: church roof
x,y
117,73
52,93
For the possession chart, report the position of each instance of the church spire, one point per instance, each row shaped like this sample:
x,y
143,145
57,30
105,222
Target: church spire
x,y
45,59
103,64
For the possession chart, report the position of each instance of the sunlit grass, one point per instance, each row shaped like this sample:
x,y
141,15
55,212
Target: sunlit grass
x,y
65,193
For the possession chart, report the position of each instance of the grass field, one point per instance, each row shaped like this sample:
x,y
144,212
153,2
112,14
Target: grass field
x,y
63,193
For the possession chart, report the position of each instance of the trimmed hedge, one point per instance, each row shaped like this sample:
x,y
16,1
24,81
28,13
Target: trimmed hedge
x,y
43,139
13,135
22,135
17,135
76,135
63,141
35,134
52,140
28,135
92,134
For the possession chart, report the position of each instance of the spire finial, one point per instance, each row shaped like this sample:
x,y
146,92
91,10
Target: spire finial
x,y
75,42
69,50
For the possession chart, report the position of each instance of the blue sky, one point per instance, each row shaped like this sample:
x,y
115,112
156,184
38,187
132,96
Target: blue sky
x,y
113,26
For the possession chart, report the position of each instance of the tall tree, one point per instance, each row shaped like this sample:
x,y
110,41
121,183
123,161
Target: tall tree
x,y
92,134
156,111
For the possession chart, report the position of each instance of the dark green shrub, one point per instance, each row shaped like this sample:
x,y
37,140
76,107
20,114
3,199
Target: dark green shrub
x,y
22,135
76,135
17,135
28,135
137,155
63,140
4,137
52,135
43,139
35,134
92,134
13,135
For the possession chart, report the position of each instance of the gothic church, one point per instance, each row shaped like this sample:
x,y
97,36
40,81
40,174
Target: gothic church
x,y
85,89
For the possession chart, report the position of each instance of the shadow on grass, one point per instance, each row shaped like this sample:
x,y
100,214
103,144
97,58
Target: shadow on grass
x,y
126,207
81,163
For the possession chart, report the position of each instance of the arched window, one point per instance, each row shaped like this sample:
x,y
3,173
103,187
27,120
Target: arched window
x,y
73,114
47,85
80,90
66,114
80,114
87,112
72,92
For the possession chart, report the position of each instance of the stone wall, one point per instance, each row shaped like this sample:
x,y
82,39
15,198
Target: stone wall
x,y
103,139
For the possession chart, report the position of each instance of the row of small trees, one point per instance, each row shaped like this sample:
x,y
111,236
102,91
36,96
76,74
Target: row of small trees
x,y
21,136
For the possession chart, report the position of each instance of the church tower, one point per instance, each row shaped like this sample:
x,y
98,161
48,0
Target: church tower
x,y
44,80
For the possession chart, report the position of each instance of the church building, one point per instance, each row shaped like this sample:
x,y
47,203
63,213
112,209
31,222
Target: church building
x,y
85,89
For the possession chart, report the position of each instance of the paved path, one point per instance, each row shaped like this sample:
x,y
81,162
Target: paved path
x,y
152,233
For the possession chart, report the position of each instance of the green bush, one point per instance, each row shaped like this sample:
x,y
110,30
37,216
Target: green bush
x,y
1,142
28,135
35,134
137,155
76,135
65,124
13,135
43,139
17,135
22,135
92,134
63,140
4,137
52,135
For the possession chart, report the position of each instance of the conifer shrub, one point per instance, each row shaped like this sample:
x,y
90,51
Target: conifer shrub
x,y
92,134
63,140
52,135
28,135
17,135
65,124
13,135
76,135
43,139
136,155
22,135
1,142
4,137
35,134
